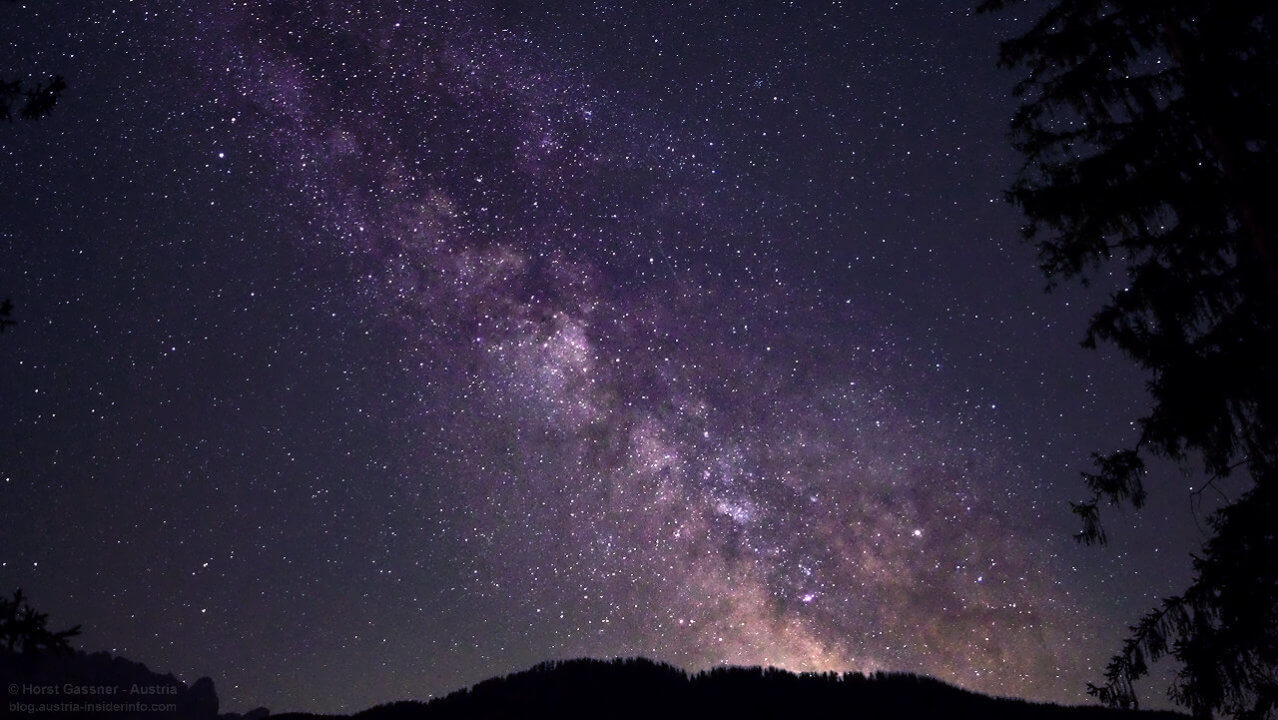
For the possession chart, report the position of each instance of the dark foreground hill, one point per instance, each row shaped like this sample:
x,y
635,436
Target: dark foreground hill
x,y
79,685
640,688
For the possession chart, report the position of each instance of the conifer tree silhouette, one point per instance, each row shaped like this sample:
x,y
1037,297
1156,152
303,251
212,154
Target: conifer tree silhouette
x,y
23,630
1148,130
29,100
26,100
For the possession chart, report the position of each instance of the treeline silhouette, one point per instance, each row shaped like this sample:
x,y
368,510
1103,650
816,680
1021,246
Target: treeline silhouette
x,y
640,688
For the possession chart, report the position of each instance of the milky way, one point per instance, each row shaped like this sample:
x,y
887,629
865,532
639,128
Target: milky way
x,y
637,457
611,417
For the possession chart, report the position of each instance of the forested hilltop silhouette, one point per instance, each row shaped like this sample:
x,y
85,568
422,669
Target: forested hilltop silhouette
x,y
45,676
640,688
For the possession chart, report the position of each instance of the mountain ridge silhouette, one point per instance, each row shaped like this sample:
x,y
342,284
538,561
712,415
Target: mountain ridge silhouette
x,y
635,688
639,688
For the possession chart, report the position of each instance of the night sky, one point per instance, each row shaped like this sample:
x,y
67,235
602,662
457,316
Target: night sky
x,y
367,350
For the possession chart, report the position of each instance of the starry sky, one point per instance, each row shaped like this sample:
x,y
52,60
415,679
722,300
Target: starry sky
x,y
368,350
